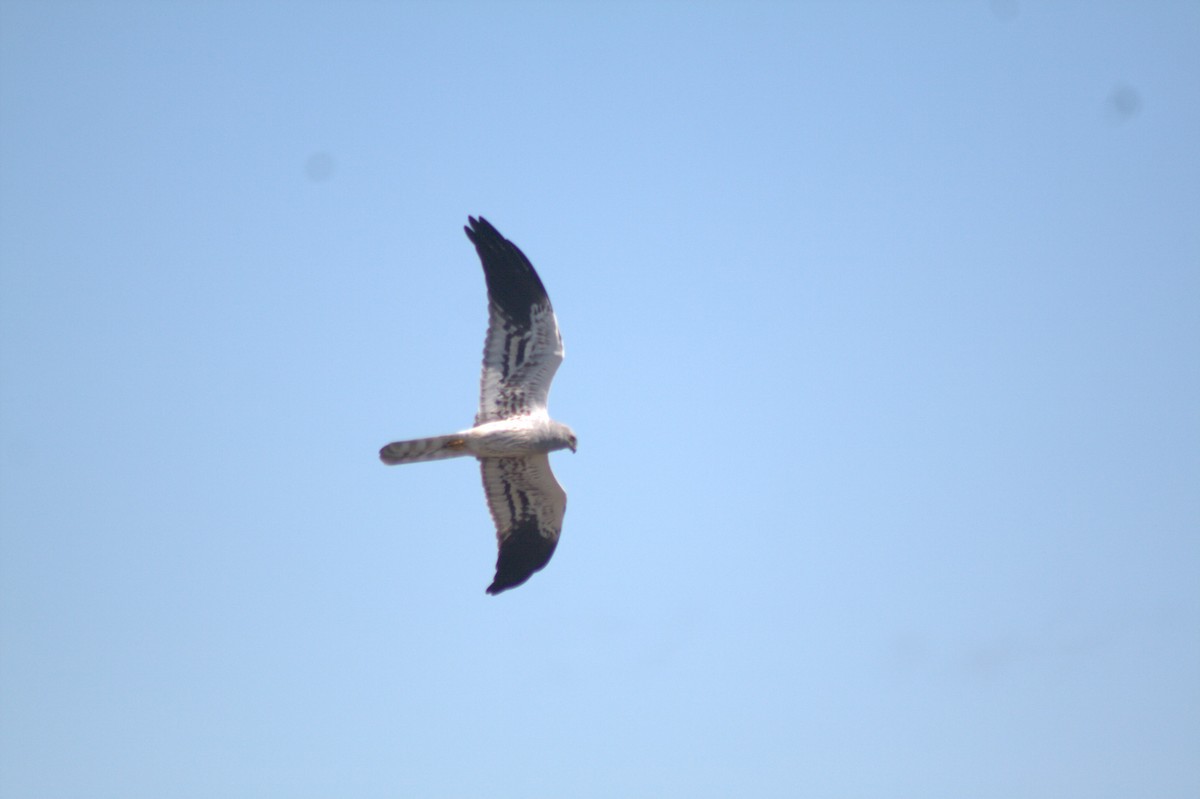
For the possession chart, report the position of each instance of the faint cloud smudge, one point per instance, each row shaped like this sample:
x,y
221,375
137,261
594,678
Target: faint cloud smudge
x,y
1124,103
319,166
908,652
988,661
1004,10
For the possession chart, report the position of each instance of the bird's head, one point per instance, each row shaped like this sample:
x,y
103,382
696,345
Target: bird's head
x,y
565,436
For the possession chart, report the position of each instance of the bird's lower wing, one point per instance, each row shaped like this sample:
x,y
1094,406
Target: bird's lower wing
x,y
527,505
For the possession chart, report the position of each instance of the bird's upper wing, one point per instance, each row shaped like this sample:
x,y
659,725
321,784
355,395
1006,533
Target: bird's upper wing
x,y
527,505
523,347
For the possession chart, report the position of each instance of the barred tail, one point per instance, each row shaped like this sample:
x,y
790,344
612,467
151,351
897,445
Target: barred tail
x,y
423,449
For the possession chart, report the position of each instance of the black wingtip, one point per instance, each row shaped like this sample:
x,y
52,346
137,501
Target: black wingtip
x,y
481,231
513,284
524,553
480,224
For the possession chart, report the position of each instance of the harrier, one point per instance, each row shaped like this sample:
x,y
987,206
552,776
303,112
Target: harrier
x,y
513,433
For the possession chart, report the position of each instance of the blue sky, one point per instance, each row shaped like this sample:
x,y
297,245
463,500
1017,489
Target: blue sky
x,y
883,348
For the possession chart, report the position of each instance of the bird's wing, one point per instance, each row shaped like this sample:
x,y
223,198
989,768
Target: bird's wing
x,y
523,347
527,505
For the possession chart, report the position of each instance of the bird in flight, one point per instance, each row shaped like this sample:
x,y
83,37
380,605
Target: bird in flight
x,y
513,433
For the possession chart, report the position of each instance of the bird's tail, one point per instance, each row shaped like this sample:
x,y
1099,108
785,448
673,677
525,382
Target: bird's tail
x,y
424,449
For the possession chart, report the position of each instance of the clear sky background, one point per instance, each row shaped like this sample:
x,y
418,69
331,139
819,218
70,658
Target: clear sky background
x,y
883,348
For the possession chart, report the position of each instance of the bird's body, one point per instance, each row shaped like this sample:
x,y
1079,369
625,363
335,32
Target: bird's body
x,y
513,431
508,438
